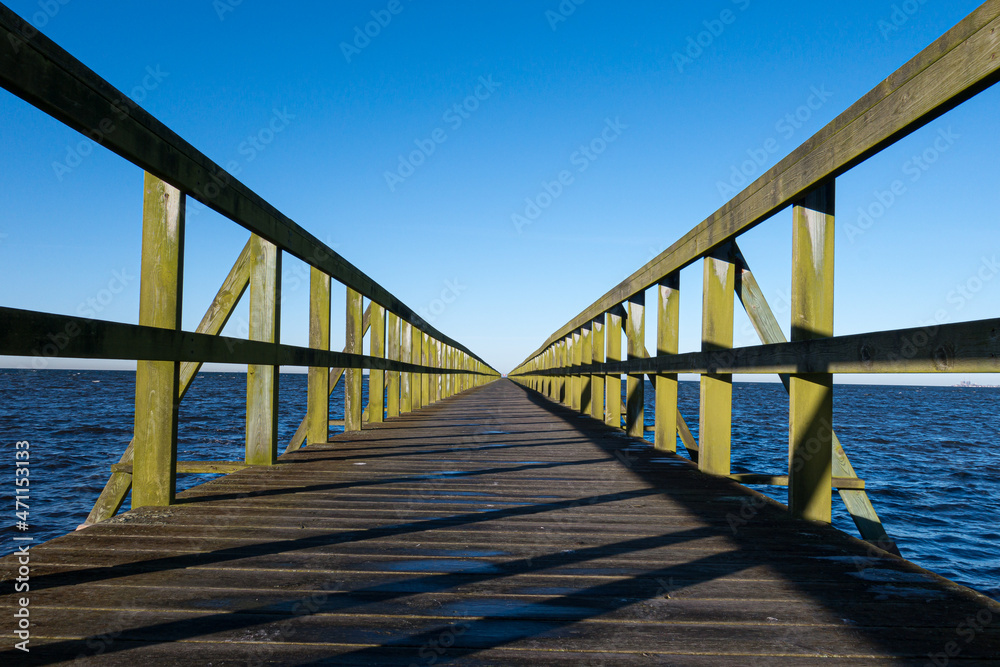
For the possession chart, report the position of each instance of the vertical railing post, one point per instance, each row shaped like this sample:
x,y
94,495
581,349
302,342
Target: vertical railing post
x,y
667,343
597,379
262,381
318,392
425,378
392,377
635,391
586,358
353,376
811,395
613,403
716,414
157,383
405,377
416,352
434,361
376,378
576,347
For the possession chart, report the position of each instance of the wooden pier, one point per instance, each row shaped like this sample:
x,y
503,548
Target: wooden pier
x,y
465,518
492,528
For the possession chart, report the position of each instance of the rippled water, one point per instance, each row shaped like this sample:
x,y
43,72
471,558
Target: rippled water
x,y
929,454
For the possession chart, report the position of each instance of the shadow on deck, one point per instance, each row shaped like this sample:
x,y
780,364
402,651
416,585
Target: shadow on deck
x,y
494,527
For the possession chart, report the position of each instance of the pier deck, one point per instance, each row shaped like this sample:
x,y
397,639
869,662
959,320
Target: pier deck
x,y
494,527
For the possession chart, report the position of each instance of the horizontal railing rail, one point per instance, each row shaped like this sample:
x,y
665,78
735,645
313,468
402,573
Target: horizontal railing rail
x,y
411,363
582,363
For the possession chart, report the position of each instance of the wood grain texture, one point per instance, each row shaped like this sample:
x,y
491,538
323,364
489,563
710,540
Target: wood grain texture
x,y
263,379
551,540
157,383
37,70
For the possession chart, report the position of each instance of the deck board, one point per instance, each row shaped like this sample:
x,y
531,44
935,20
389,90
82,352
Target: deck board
x,y
493,528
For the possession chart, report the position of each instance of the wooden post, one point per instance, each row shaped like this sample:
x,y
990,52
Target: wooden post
x,y
613,404
262,381
717,389
576,350
157,382
811,395
405,377
354,376
586,358
416,384
425,378
392,352
597,379
434,361
376,378
667,342
318,394
635,391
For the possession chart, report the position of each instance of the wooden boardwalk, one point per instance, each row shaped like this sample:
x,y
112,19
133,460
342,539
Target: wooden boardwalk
x,y
491,528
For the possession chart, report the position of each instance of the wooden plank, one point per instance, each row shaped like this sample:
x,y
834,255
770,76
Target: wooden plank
x,y
716,411
318,390
319,560
810,441
667,343
597,379
964,347
416,381
852,483
957,66
635,385
40,72
214,320
425,378
262,379
198,467
613,406
353,344
376,378
393,352
406,354
157,383
586,357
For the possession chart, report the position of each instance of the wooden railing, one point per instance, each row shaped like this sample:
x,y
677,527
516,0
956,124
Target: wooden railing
x,y
411,364
581,363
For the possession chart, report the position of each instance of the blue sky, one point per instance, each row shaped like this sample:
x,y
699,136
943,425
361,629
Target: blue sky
x,y
315,126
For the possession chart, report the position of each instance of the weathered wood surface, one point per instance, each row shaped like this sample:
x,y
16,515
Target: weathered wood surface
x,y
497,528
37,70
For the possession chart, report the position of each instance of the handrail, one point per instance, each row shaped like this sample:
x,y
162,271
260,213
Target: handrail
x,y
412,364
582,361
957,66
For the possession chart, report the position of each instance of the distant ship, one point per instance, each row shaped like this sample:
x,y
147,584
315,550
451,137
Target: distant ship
x,y
966,383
